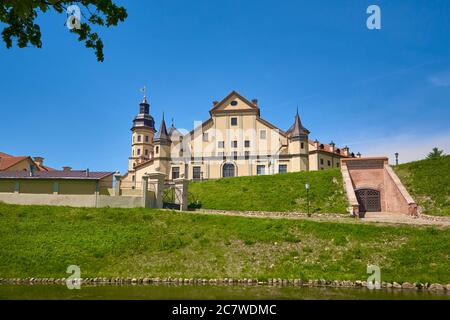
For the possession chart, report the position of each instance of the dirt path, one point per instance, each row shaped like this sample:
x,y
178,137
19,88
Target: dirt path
x,y
370,217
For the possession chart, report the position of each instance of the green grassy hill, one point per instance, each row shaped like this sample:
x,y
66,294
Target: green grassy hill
x,y
281,192
428,182
42,241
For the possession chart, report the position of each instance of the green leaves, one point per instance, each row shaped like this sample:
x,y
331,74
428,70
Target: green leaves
x,y
19,16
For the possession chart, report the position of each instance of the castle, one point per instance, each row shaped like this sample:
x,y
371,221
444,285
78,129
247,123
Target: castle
x,y
234,141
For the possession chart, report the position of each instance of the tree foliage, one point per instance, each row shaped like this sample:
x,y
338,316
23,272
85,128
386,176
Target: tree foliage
x,y
19,17
435,153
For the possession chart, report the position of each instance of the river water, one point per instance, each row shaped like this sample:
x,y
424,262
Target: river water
x,y
207,292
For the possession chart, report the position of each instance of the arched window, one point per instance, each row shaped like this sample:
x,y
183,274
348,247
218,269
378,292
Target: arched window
x,y
228,170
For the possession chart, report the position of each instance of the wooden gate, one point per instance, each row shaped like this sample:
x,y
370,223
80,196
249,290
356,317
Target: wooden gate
x,y
369,200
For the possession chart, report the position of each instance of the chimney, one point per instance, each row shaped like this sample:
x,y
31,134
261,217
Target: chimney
x,y
87,172
345,151
67,168
316,144
255,102
332,146
215,103
39,161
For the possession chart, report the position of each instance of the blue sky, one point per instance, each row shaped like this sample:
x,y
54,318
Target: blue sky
x,y
377,91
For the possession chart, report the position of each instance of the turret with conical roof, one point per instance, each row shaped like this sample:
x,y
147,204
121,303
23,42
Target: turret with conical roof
x,y
298,144
162,149
297,130
163,136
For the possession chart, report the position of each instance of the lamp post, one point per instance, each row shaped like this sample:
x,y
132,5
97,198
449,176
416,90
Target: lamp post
x,y
307,197
396,158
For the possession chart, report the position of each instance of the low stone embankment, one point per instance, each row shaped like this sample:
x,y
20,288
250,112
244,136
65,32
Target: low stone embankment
x,y
229,281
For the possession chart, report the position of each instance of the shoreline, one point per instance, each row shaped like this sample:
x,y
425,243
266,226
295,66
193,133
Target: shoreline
x,y
431,287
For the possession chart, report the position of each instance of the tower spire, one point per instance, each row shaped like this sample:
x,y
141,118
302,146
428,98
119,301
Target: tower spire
x,y
163,135
297,130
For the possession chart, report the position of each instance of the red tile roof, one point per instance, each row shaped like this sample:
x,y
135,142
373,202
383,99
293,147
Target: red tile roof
x,y
5,155
7,162
327,149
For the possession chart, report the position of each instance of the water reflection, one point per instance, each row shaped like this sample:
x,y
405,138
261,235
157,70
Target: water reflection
x,y
208,292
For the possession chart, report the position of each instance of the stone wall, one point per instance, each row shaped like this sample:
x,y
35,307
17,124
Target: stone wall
x,y
93,201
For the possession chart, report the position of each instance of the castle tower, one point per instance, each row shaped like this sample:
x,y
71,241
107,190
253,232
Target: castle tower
x,y
298,145
142,134
161,149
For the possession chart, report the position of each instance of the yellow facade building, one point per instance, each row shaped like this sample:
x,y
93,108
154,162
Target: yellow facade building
x,y
234,141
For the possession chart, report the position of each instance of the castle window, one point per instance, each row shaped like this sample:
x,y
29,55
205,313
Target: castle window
x,y
146,138
139,138
157,149
205,136
138,152
262,134
133,178
234,103
146,152
234,144
175,173
221,144
321,161
260,169
196,173
282,168
228,170
302,145
329,163
234,121
247,143
235,155
247,155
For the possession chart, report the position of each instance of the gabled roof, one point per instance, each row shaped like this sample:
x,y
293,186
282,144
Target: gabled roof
x,y
231,94
270,125
8,162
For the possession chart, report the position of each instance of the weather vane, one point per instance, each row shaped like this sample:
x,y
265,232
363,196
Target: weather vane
x,y
144,90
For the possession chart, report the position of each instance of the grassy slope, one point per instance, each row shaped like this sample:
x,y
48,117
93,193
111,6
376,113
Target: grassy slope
x,y
40,241
281,192
428,181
